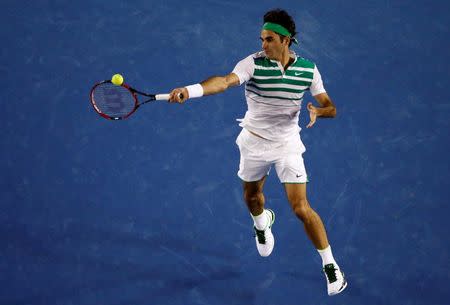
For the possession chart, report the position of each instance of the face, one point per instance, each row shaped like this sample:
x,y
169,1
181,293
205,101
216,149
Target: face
x,y
273,45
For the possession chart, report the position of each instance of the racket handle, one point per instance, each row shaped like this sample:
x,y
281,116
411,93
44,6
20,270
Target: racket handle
x,y
162,97
165,97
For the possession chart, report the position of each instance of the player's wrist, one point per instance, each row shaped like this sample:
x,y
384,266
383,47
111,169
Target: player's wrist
x,y
195,90
325,112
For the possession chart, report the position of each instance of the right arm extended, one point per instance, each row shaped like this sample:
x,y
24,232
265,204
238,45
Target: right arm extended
x,y
212,85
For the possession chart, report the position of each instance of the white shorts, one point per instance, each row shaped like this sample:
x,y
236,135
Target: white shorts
x,y
258,155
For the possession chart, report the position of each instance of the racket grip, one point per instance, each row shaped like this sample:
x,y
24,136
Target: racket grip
x,y
162,97
165,97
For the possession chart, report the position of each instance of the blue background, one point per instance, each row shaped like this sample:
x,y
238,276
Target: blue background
x,y
150,211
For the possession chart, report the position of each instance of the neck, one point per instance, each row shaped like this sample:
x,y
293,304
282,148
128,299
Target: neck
x,y
285,59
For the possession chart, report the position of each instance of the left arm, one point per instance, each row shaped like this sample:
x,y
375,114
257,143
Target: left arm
x,y
326,109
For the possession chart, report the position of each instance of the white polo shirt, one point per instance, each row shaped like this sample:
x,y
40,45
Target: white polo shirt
x,y
274,95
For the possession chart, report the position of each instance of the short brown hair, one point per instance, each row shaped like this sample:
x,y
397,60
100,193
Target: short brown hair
x,y
281,17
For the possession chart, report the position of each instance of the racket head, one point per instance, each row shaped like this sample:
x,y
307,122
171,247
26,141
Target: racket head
x,y
113,102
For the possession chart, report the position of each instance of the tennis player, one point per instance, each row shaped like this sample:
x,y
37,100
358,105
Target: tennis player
x,y
276,81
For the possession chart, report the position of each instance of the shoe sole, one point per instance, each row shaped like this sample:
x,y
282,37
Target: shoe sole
x,y
344,285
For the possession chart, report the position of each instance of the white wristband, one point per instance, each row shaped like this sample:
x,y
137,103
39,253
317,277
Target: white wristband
x,y
195,90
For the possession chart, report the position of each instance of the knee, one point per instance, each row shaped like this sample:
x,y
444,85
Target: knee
x,y
302,209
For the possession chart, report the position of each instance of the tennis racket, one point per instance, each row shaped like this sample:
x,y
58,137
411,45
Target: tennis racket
x,y
118,102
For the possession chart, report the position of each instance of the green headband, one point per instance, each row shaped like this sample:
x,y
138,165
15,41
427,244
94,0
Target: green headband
x,y
279,29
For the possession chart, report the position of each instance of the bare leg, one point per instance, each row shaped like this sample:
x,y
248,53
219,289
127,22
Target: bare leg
x,y
312,223
254,196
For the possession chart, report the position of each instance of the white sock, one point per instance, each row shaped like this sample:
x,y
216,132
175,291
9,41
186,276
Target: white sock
x,y
327,256
261,221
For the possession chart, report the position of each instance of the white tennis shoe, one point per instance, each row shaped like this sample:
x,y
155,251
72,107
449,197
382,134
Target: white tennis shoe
x,y
264,238
336,282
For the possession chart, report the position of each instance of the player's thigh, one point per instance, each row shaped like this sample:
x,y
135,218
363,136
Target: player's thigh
x,y
253,166
290,168
289,162
252,171
296,193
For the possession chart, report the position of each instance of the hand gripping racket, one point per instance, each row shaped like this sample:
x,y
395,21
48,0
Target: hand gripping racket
x,y
118,102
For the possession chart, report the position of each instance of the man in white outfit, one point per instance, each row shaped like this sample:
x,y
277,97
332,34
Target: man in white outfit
x,y
276,80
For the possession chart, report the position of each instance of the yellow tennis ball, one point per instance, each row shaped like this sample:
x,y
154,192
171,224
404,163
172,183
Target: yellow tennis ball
x,y
117,79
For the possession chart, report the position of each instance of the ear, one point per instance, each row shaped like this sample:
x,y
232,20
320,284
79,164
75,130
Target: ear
x,y
286,40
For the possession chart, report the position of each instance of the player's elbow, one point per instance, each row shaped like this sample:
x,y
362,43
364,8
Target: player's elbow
x,y
333,112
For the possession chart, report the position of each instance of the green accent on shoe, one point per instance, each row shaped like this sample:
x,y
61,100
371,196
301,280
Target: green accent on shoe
x,y
273,217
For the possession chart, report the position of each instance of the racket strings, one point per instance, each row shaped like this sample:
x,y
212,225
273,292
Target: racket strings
x,y
114,101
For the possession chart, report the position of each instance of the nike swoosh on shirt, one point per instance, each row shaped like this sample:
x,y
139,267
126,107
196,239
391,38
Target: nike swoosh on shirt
x,y
298,73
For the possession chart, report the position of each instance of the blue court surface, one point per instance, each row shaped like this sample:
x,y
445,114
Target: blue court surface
x,y
149,211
